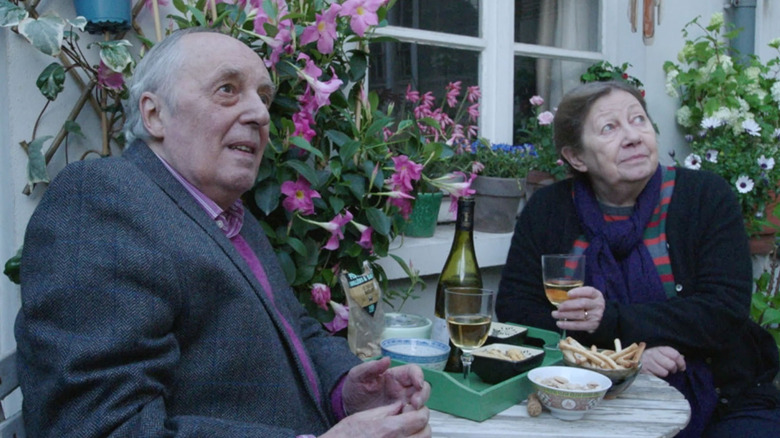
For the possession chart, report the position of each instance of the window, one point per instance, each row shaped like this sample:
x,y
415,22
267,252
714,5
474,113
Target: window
x,y
553,42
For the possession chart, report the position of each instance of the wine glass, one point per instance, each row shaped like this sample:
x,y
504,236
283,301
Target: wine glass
x,y
561,273
469,312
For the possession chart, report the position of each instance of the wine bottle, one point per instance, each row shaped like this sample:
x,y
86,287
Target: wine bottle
x,y
460,270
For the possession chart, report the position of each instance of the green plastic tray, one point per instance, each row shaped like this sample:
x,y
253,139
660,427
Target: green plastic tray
x,y
477,400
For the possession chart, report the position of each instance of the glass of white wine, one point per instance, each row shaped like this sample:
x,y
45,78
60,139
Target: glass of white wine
x,y
469,312
562,273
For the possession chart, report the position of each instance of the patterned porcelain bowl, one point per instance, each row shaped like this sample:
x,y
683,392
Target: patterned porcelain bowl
x,y
426,353
569,392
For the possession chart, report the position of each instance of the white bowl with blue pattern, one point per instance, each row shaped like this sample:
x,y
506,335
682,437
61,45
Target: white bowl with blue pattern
x,y
427,353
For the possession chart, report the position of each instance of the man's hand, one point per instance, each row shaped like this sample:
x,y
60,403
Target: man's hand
x,y
374,383
662,361
396,420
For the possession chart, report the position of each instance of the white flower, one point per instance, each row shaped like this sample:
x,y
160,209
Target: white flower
x,y
671,90
711,122
776,134
744,184
751,127
775,90
684,116
716,21
693,161
766,163
711,156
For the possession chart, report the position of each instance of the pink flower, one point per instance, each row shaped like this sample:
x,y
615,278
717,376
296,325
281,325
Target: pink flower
x,y
453,91
322,90
412,96
148,3
473,111
365,235
473,93
536,101
304,121
341,318
108,78
323,30
545,118
404,206
363,13
262,16
335,227
477,167
320,294
406,171
299,196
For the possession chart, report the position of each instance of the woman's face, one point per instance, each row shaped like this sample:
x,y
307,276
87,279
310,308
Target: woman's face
x,y
619,143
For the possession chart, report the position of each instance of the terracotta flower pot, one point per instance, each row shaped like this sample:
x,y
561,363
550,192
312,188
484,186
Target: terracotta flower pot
x,y
497,203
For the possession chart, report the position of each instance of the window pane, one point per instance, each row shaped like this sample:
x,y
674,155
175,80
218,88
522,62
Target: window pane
x,y
451,16
428,68
544,77
567,24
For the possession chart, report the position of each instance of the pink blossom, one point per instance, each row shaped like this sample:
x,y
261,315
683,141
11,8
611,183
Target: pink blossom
x,y
412,96
262,17
404,206
335,227
473,111
320,294
386,133
108,78
363,13
322,90
477,167
304,121
537,101
299,196
365,235
473,93
148,3
545,118
340,319
406,171
453,91
323,30
428,99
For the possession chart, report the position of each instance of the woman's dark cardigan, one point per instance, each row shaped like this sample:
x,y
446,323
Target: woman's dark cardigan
x,y
708,248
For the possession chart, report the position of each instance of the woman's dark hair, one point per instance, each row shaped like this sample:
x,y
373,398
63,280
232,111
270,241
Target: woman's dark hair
x,y
575,106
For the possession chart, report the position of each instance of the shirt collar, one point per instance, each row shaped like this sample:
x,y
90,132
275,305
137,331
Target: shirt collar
x,y
229,221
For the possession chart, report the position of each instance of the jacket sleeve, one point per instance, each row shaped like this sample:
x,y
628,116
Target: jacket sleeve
x,y
99,304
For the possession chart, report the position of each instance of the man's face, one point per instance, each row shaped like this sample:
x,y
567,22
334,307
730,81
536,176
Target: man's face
x,y
215,130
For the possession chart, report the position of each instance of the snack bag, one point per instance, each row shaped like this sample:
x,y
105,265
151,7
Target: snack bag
x,y
366,317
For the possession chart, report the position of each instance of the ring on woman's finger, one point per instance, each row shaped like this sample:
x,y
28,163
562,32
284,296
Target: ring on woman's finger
x,y
585,318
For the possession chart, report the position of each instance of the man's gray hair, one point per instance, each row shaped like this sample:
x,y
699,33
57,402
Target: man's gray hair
x,y
156,73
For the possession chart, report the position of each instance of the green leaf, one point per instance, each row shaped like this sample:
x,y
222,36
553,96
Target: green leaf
x,y
348,150
45,33
380,221
287,264
51,81
356,184
73,128
336,203
79,23
304,170
115,54
13,267
358,66
36,163
337,137
297,245
11,14
771,316
267,196
305,145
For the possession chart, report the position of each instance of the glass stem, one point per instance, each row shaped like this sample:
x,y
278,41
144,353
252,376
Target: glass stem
x,y
466,360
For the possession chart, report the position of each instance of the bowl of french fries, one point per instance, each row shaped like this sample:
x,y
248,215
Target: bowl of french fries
x,y
495,363
568,392
621,364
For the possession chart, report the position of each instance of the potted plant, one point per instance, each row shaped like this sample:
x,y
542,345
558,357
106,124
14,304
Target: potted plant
x,y
731,113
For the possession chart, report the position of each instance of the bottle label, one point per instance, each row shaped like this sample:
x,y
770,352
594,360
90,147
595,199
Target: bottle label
x,y
439,330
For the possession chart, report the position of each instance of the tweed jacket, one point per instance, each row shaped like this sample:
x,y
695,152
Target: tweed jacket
x,y
140,319
708,251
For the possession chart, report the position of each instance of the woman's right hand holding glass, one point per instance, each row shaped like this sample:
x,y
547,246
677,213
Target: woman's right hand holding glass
x,y
582,311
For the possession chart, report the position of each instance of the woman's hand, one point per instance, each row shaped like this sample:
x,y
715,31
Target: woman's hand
x,y
374,383
582,311
392,421
662,361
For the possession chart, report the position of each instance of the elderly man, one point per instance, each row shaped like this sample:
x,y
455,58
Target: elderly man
x,y
152,306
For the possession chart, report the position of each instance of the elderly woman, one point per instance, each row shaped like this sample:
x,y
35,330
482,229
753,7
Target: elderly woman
x,y
667,263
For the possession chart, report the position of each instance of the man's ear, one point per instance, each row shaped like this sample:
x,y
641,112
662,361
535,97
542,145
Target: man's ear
x,y
151,107
573,158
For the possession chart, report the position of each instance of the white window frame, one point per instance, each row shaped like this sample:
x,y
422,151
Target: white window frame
x,y
496,60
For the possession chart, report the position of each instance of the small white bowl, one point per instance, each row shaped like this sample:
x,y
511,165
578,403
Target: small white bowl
x,y
569,404
426,353
406,325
